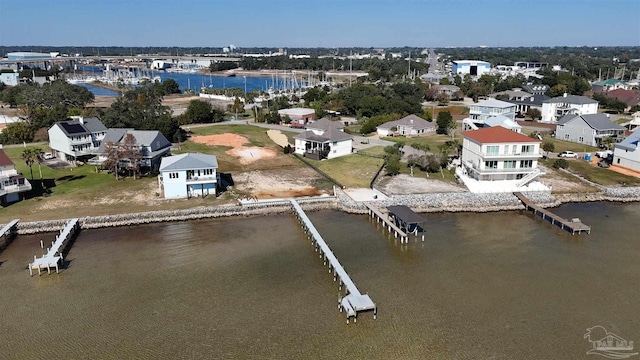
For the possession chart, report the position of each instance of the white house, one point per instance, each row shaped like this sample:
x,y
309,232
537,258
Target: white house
x,y
77,138
411,125
323,139
485,109
11,183
589,129
188,175
471,67
496,154
555,108
626,153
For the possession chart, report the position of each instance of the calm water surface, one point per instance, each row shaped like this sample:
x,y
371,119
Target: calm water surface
x,y
500,285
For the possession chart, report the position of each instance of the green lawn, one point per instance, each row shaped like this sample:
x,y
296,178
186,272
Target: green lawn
x,y
352,170
432,140
373,151
562,145
601,176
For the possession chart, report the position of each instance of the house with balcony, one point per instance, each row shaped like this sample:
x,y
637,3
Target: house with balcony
x,y
556,108
532,102
410,125
12,184
485,109
498,155
152,144
323,139
626,153
590,129
188,175
77,139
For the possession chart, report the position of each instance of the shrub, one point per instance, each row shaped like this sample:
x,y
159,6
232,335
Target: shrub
x,y
561,164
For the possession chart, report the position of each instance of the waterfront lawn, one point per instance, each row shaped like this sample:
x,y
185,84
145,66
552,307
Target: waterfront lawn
x,y
352,170
431,140
374,151
598,175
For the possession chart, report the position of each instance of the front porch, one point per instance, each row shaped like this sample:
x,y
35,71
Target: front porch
x,y
316,150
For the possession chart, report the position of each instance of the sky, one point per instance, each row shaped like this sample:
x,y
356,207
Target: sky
x,y
326,23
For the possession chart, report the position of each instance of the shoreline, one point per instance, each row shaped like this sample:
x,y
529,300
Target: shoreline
x,y
424,203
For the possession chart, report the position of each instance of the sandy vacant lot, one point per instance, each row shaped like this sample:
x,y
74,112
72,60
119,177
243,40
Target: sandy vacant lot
x,y
246,154
281,183
406,184
560,184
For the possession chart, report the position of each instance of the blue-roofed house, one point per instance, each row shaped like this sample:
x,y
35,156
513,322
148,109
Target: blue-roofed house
x,y
589,129
626,153
188,175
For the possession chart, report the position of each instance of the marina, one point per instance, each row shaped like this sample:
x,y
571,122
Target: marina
x,y
54,255
574,225
353,302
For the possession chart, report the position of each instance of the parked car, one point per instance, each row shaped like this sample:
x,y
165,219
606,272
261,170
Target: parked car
x,y
48,156
568,154
604,154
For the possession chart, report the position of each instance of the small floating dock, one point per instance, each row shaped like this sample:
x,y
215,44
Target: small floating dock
x,y
574,226
353,302
53,257
8,232
399,220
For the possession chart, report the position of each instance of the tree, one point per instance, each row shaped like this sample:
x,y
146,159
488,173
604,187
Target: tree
x,y
38,155
445,122
237,106
170,86
29,157
534,113
131,152
198,111
113,154
443,99
548,147
18,132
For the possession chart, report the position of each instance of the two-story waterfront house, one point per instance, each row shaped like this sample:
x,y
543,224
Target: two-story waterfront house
x,y
627,154
556,108
496,153
12,184
152,144
323,139
188,175
76,139
590,129
485,109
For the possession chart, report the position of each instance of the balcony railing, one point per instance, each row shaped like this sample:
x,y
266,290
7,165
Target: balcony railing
x,y
206,178
503,155
521,170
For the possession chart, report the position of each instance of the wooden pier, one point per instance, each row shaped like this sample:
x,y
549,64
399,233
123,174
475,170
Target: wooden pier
x,y
7,233
353,302
388,219
574,226
53,257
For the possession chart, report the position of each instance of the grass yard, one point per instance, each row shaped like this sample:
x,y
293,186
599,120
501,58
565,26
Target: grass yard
x,y
562,145
374,151
432,140
352,170
600,175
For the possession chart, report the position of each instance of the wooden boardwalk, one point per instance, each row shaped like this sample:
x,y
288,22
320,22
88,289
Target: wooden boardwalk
x,y
353,302
574,226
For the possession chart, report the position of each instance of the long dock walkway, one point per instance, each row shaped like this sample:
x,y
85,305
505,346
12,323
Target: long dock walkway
x,y
353,302
7,233
574,226
53,256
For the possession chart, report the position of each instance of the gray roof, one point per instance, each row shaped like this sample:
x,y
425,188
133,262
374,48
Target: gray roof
x,y
571,99
85,127
324,124
493,103
188,161
330,135
153,139
413,121
535,100
630,142
94,124
595,121
501,120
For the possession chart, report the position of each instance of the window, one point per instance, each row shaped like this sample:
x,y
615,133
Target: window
x,y
208,172
566,136
493,150
527,149
510,164
581,139
490,164
514,149
526,164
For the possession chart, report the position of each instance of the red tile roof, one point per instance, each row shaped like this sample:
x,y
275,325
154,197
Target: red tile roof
x,y
4,159
497,134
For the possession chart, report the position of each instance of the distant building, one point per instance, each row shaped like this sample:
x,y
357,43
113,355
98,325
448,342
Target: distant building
x,y
448,90
299,116
513,94
609,85
630,97
188,175
485,109
26,55
588,129
12,184
555,108
471,67
536,89
411,125
10,79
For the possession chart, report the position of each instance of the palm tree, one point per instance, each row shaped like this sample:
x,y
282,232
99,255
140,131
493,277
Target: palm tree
x,y
28,155
39,157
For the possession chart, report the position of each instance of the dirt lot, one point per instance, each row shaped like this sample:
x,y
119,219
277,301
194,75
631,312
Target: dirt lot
x,y
406,184
271,184
246,154
563,183
172,101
